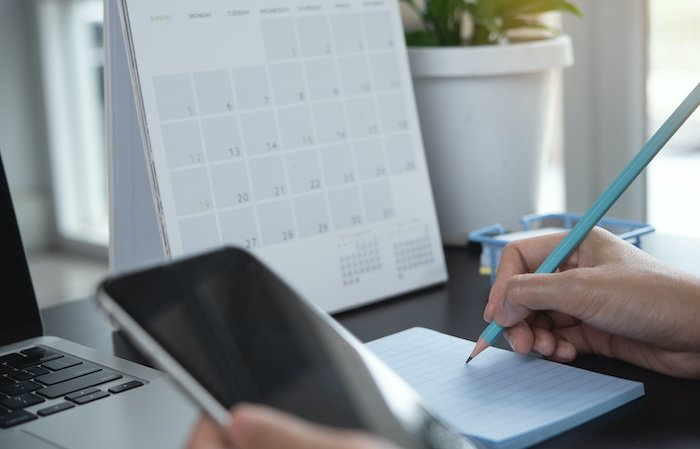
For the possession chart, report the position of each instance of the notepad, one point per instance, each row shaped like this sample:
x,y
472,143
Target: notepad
x,y
502,399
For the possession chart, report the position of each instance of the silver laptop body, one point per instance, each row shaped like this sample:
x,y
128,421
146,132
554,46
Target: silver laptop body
x,y
58,394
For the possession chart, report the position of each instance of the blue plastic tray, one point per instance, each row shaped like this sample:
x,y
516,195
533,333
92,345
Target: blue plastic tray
x,y
492,246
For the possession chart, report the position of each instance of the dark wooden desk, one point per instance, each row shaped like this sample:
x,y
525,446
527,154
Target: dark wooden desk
x,y
668,416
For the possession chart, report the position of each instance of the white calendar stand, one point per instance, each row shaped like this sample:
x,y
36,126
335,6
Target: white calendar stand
x,y
295,136
135,239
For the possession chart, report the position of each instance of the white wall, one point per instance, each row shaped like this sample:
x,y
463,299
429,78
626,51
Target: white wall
x,y
605,102
23,138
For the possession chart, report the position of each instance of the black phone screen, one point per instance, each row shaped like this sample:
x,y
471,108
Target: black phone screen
x,y
241,332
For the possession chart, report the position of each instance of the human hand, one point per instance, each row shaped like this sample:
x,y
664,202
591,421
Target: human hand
x,y
608,298
258,427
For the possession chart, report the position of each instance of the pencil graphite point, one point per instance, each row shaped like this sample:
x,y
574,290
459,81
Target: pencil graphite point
x,y
481,344
468,360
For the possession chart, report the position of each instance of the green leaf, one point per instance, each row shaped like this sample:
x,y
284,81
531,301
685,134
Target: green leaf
x,y
421,38
442,19
517,23
573,9
518,7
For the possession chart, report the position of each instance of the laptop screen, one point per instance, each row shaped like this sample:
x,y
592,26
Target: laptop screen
x,y
19,316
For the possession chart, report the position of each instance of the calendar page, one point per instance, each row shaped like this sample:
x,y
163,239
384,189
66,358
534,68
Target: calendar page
x,y
287,127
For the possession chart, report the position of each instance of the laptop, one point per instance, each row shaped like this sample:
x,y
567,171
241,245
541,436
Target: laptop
x,y
58,394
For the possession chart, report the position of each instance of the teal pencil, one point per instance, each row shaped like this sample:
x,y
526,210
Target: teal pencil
x,y
576,235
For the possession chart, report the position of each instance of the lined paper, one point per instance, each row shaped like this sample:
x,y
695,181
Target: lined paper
x,y
503,399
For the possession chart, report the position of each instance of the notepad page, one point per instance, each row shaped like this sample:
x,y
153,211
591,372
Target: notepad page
x,y
503,399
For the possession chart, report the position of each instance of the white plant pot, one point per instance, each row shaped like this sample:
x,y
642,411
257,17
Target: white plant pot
x,y
486,115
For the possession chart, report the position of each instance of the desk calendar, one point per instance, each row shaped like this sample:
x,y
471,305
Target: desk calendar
x,y
288,128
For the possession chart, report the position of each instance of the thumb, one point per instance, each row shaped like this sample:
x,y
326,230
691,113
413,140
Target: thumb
x,y
258,427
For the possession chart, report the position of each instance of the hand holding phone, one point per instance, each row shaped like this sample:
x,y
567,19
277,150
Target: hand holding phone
x,y
229,330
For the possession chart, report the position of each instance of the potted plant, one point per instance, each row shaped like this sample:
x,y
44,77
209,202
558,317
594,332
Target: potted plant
x,y
485,76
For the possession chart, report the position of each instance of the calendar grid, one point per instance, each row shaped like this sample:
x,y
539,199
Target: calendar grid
x,y
364,130
383,141
317,152
251,242
295,150
288,189
289,129
347,120
310,102
205,159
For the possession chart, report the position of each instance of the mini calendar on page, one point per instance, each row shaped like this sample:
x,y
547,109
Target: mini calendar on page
x,y
288,128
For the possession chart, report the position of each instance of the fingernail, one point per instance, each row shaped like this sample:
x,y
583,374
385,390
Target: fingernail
x,y
502,316
487,312
508,314
509,339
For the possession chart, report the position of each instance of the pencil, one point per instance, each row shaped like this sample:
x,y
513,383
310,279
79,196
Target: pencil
x,y
628,174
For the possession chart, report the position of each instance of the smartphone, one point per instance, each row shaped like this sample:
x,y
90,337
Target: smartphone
x,y
228,330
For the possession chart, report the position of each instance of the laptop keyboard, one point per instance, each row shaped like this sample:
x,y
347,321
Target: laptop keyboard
x,y
39,375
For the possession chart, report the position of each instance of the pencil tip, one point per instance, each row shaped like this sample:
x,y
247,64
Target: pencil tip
x,y
468,360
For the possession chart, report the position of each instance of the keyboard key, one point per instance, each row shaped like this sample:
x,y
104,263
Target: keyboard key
x,y
21,401
36,350
49,355
25,362
37,370
18,388
20,375
15,418
8,357
5,381
79,383
55,409
77,394
90,397
21,362
5,369
63,362
125,386
67,374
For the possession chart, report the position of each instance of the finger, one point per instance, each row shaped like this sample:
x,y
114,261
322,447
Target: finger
x,y
551,327
565,352
545,342
519,257
587,339
571,341
207,435
570,292
520,337
561,320
256,427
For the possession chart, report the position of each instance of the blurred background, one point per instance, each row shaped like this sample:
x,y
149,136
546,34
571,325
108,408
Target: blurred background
x,y
52,125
